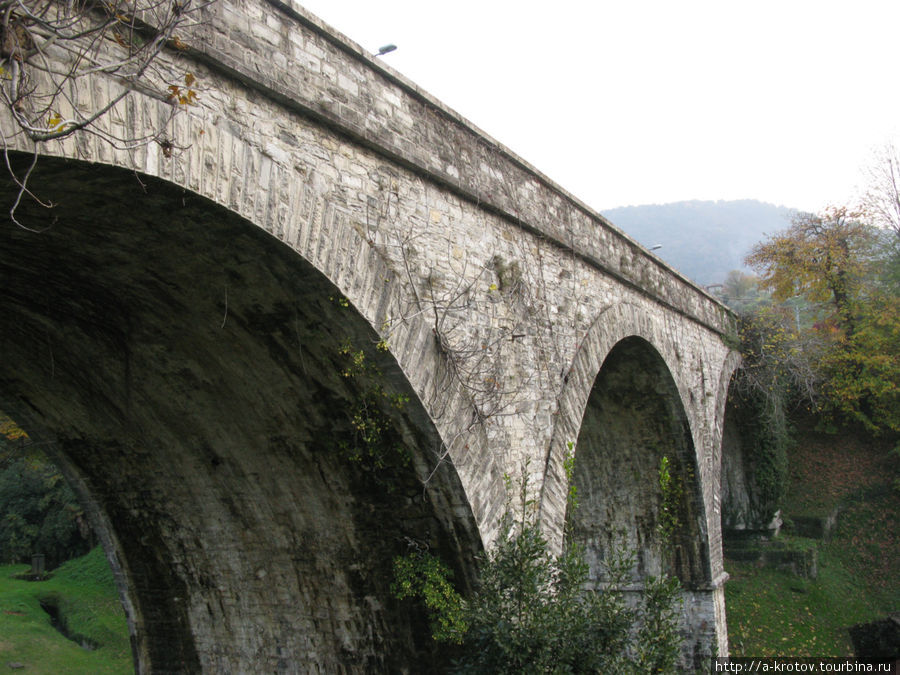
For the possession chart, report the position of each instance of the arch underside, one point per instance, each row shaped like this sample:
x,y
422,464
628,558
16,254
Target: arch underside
x,y
634,417
747,506
188,368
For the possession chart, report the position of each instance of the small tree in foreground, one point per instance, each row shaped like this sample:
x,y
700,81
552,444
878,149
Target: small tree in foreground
x,y
534,612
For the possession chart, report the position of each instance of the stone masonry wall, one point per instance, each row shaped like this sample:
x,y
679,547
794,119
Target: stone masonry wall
x,y
498,293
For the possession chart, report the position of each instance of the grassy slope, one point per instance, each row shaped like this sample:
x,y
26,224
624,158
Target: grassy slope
x,y
773,613
85,592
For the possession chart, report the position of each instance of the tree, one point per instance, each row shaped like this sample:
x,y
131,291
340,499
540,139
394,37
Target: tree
x,y
740,291
845,270
881,199
39,513
823,258
50,50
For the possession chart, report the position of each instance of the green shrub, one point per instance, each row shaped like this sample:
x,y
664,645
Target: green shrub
x,y
534,612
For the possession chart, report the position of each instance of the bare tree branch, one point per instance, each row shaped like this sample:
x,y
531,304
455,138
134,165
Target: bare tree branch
x,y
881,200
50,50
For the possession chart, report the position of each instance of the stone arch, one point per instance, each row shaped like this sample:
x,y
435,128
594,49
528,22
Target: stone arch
x,y
187,368
613,325
650,339
724,420
634,418
40,436
223,157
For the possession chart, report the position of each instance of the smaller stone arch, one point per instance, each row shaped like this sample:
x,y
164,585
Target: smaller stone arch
x,y
634,428
611,326
625,343
101,528
745,502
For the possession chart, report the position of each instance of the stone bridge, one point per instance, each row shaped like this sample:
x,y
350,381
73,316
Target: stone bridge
x,y
317,327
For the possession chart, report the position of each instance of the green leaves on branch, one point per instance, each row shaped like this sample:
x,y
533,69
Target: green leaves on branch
x,y
672,489
422,575
373,440
862,372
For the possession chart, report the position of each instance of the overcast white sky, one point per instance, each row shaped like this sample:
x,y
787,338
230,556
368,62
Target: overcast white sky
x,y
650,101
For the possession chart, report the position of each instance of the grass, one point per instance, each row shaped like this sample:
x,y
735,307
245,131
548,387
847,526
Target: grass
x,y
773,613
88,602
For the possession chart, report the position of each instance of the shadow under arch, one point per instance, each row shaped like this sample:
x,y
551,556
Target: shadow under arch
x,y
634,417
751,465
188,369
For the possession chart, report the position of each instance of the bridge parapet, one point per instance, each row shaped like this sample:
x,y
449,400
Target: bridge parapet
x,y
289,55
